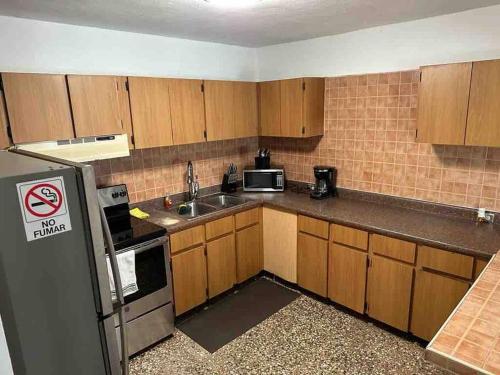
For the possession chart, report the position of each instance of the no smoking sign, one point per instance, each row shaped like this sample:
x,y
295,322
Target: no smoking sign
x,y
44,208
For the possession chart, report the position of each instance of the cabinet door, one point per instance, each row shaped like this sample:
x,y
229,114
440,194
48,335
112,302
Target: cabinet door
x,y
150,107
314,106
245,109
280,243
269,108
434,299
219,109
4,139
389,291
38,107
292,95
188,111
483,128
442,103
221,265
312,263
100,105
189,277
347,270
248,262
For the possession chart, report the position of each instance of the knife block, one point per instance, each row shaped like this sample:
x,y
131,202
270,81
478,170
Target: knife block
x,y
229,183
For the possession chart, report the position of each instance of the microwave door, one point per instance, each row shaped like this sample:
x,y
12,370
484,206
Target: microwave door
x,y
260,180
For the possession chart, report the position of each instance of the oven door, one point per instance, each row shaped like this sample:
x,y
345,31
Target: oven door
x,y
154,280
263,180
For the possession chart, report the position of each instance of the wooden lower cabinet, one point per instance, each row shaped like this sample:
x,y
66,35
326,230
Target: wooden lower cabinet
x,y
434,298
248,262
280,243
221,265
189,277
312,263
389,292
347,270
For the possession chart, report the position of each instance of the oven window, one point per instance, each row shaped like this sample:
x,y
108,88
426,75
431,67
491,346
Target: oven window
x,y
259,180
150,272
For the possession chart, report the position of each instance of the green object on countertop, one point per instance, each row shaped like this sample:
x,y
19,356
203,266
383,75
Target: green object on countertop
x,y
138,213
182,209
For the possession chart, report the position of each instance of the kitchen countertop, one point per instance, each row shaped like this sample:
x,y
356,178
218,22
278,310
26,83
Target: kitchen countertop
x,y
455,233
469,341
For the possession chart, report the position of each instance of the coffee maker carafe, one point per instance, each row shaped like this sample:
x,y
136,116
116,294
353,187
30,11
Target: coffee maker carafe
x,y
326,180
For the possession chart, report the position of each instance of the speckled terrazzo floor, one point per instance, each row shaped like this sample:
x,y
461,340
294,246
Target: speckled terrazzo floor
x,y
305,337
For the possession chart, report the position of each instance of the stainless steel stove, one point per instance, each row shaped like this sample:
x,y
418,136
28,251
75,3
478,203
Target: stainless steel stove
x,y
148,312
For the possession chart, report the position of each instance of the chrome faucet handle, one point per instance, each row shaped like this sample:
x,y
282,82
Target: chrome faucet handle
x,y
196,187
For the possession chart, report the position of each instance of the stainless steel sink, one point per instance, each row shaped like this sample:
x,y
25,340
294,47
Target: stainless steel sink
x,y
194,210
206,205
222,200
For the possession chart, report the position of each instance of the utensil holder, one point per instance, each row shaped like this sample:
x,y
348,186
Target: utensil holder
x,y
262,162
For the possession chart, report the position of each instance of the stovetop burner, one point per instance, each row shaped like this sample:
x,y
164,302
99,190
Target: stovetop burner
x,y
139,231
125,230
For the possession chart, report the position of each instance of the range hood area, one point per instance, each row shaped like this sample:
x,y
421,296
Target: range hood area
x,y
82,149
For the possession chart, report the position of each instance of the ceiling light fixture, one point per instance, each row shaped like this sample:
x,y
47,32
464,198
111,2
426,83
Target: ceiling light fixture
x,y
233,3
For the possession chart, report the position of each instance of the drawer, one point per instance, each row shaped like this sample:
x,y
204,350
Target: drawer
x,y
445,261
187,238
312,226
393,248
349,236
219,227
148,329
246,218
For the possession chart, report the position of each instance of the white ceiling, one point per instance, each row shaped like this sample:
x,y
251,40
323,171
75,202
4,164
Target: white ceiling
x,y
269,22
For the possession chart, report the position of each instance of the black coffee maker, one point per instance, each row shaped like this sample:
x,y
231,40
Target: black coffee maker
x,y
326,182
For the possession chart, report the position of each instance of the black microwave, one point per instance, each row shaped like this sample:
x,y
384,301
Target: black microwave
x,y
263,180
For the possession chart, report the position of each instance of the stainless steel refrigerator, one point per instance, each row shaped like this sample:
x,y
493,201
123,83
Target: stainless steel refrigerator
x,y
55,299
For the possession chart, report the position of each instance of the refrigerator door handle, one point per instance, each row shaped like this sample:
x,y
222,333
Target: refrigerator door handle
x,y
119,292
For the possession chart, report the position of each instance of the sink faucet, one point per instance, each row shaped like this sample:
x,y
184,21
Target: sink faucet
x,y
192,182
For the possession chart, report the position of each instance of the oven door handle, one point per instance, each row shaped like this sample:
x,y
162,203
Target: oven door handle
x,y
115,271
148,245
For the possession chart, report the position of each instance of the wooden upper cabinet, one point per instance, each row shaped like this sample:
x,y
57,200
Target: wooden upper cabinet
x,y
38,107
4,139
188,111
483,122
245,109
443,102
219,109
150,107
314,106
291,106
100,105
269,108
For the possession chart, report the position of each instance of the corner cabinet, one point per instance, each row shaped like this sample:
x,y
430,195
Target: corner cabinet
x,y
292,107
231,109
458,104
279,240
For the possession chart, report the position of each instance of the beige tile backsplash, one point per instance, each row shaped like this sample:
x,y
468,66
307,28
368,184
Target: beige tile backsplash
x,y
151,173
370,124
